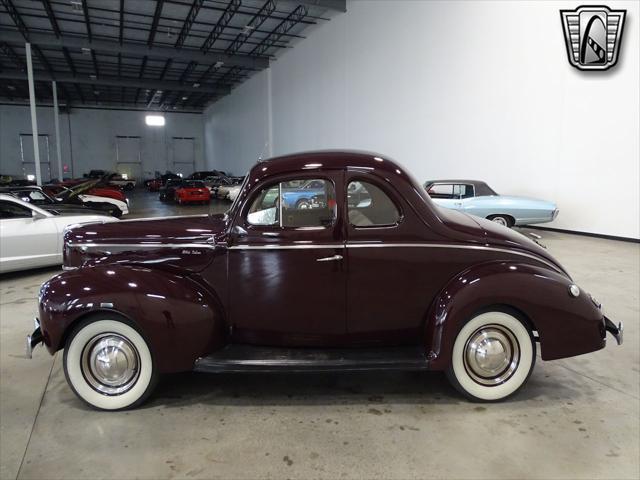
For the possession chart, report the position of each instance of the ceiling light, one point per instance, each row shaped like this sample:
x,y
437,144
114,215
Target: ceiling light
x,y
86,51
11,87
154,120
218,64
93,77
31,178
196,85
184,98
76,4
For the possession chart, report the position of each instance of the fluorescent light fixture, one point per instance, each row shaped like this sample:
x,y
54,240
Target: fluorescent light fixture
x,y
154,120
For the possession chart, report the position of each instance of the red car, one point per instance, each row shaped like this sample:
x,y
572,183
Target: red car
x,y
111,192
154,185
384,281
192,191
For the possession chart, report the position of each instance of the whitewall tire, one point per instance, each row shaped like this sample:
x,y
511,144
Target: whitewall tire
x,y
493,356
108,363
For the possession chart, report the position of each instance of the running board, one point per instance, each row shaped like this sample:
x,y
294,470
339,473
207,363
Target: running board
x,y
247,358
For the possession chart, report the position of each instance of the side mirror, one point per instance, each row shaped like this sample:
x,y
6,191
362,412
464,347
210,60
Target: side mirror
x,y
37,215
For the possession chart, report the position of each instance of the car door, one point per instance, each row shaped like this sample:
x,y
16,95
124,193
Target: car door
x,y
391,278
27,241
285,267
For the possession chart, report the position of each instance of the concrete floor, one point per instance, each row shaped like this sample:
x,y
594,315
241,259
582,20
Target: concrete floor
x,y
576,418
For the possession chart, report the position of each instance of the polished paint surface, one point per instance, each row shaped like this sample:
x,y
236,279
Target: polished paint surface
x,y
196,284
578,418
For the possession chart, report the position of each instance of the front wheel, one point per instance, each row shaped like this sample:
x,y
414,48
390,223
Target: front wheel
x,y
108,363
493,356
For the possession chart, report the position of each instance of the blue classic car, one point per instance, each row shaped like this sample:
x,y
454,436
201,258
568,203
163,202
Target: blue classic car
x,y
307,195
477,198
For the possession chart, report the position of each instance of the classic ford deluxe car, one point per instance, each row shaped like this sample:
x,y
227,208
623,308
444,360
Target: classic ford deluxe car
x,y
390,281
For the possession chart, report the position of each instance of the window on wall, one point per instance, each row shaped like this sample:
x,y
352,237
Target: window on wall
x,y
369,206
294,204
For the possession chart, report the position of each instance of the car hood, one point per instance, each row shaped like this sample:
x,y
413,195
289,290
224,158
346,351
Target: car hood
x,y
486,232
69,209
187,229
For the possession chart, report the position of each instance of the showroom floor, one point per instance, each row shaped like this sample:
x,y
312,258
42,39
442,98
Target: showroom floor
x,y
576,418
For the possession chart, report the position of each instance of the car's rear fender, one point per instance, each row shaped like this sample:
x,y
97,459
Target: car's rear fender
x,y
181,319
566,325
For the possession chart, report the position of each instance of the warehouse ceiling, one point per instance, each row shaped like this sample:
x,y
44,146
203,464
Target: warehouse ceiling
x,y
174,55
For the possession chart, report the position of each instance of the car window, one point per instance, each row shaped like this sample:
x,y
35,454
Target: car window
x,y
34,196
441,190
291,204
463,191
13,210
369,206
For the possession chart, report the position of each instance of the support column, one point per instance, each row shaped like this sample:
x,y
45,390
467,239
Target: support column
x,y
57,124
34,120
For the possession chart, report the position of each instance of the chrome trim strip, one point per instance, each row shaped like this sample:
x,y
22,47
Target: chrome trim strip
x,y
286,247
317,247
141,245
396,245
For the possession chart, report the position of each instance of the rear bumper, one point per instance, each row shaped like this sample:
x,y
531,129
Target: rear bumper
x,y
616,331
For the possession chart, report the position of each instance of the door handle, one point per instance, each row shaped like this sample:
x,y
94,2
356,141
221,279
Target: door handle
x,y
334,258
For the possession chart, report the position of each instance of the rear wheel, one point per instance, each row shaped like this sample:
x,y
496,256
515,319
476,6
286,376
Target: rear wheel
x,y
302,204
493,356
504,220
108,363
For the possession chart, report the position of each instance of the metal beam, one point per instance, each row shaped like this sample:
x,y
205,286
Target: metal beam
x,y
118,82
137,49
34,119
258,19
17,19
337,5
57,126
121,26
52,17
154,24
223,21
283,27
87,19
188,23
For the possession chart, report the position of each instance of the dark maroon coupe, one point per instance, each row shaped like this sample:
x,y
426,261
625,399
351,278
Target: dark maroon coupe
x,y
366,274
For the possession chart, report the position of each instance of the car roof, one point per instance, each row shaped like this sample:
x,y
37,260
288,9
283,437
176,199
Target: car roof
x,y
17,187
481,188
326,160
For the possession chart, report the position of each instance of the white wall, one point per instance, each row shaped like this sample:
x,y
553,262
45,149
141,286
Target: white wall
x,y
455,89
88,138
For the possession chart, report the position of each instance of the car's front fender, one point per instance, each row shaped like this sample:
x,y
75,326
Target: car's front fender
x,y
181,319
566,325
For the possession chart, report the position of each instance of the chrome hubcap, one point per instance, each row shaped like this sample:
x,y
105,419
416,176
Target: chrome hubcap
x,y
500,220
110,364
492,355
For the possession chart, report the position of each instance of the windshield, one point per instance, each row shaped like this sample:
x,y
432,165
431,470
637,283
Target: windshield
x,y
77,189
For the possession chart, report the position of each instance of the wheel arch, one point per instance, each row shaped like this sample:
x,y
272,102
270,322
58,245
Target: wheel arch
x,y
180,319
537,295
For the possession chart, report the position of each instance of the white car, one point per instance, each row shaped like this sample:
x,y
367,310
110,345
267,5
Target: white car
x,y
233,193
31,237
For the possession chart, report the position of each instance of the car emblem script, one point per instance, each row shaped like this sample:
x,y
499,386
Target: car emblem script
x,y
593,35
